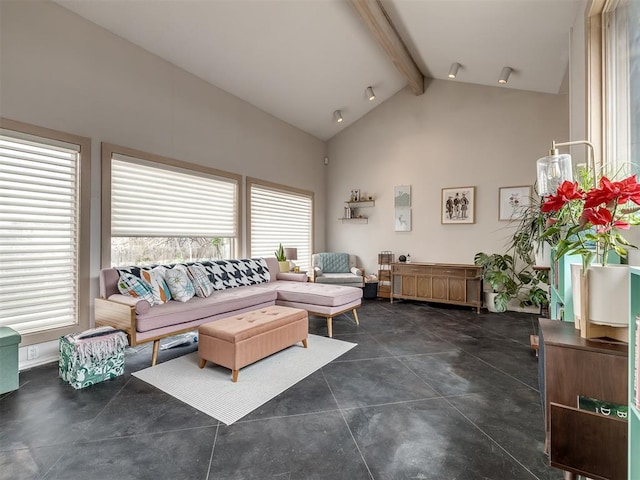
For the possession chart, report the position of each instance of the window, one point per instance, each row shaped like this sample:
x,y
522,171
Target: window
x,y
277,214
44,267
165,211
616,86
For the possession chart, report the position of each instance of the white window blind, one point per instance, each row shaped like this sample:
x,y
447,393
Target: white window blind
x,y
281,216
39,187
150,199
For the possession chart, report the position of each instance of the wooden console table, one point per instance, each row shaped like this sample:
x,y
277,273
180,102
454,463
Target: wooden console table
x,y
578,441
457,284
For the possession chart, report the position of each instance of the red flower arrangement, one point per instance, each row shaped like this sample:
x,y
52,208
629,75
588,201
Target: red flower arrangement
x,y
584,219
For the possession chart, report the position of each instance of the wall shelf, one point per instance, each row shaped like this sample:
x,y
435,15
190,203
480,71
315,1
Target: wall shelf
x,y
361,204
354,220
355,217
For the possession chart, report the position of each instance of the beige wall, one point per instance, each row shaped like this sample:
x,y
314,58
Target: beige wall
x,y
63,72
454,135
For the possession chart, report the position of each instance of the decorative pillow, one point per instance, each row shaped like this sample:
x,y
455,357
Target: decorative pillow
x,y
356,271
159,288
179,284
334,262
200,279
236,273
135,287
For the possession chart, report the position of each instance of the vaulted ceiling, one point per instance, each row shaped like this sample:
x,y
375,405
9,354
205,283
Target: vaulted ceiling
x,y
300,60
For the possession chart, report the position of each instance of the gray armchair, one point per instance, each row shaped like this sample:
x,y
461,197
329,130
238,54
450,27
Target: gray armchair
x,y
336,269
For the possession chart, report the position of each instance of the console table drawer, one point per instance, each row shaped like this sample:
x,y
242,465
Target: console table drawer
x,y
411,270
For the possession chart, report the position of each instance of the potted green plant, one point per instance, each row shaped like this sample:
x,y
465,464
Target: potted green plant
x,y
507,278
282,259
496,274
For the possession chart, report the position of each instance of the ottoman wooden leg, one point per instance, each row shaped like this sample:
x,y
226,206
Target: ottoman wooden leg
x,y
203,362
355,316
330,326
304,343
235,375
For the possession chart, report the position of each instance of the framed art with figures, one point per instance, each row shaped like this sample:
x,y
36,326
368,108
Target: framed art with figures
x,y
458,205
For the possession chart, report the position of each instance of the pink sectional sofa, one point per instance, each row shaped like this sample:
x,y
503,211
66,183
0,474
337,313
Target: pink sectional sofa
x,y
239,286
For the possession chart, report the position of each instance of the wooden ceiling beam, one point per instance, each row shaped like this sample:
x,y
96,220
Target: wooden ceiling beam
x,y
379,24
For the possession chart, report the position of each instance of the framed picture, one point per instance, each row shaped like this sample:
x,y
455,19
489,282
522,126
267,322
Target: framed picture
x,y
458,205
512,201
403,219
402,196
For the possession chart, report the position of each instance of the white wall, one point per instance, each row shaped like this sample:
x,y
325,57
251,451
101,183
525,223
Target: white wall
x,y
453,135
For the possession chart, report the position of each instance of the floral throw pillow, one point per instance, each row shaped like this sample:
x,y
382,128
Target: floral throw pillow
x,y
135,287
159,288
179,284
200,280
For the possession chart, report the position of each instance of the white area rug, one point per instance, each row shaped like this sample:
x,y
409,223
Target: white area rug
x,y
211,390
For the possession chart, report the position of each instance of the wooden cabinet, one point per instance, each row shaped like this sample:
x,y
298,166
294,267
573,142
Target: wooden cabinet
x,y
579,441
457,284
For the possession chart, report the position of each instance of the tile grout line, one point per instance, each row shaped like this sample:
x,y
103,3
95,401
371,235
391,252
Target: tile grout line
x,y
213,449
355,442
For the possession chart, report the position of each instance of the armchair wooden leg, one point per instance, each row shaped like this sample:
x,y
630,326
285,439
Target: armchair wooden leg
x,y
304,343
330,326
154,355
355,316
203,362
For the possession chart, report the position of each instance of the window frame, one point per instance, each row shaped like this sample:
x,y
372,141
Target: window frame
x,y
107,152
83,257
250,181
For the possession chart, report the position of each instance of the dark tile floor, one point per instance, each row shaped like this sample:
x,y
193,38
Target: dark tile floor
x,y
429,393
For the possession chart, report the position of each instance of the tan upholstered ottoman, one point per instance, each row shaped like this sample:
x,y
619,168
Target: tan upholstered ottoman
x,y
238,341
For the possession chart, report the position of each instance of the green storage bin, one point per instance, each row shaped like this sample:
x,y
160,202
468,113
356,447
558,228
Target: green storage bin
x,y
9,341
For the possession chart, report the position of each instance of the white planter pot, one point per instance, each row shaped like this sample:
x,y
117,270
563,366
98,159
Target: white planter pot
x,y
608,290
543,255
489,301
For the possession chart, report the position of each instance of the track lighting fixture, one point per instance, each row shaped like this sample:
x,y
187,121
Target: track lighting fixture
x,y
504,75
453,71
337,116
370,95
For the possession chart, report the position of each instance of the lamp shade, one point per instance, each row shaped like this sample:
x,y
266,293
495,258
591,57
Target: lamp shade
x,y
291,253
552,171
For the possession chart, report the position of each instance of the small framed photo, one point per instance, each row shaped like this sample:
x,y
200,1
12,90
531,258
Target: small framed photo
x,y
458,205
403,219
355,195
512,201
402,196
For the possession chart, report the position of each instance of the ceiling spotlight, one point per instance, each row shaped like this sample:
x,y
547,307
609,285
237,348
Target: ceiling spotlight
x,y
453,71
504,75
337,116
370,95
